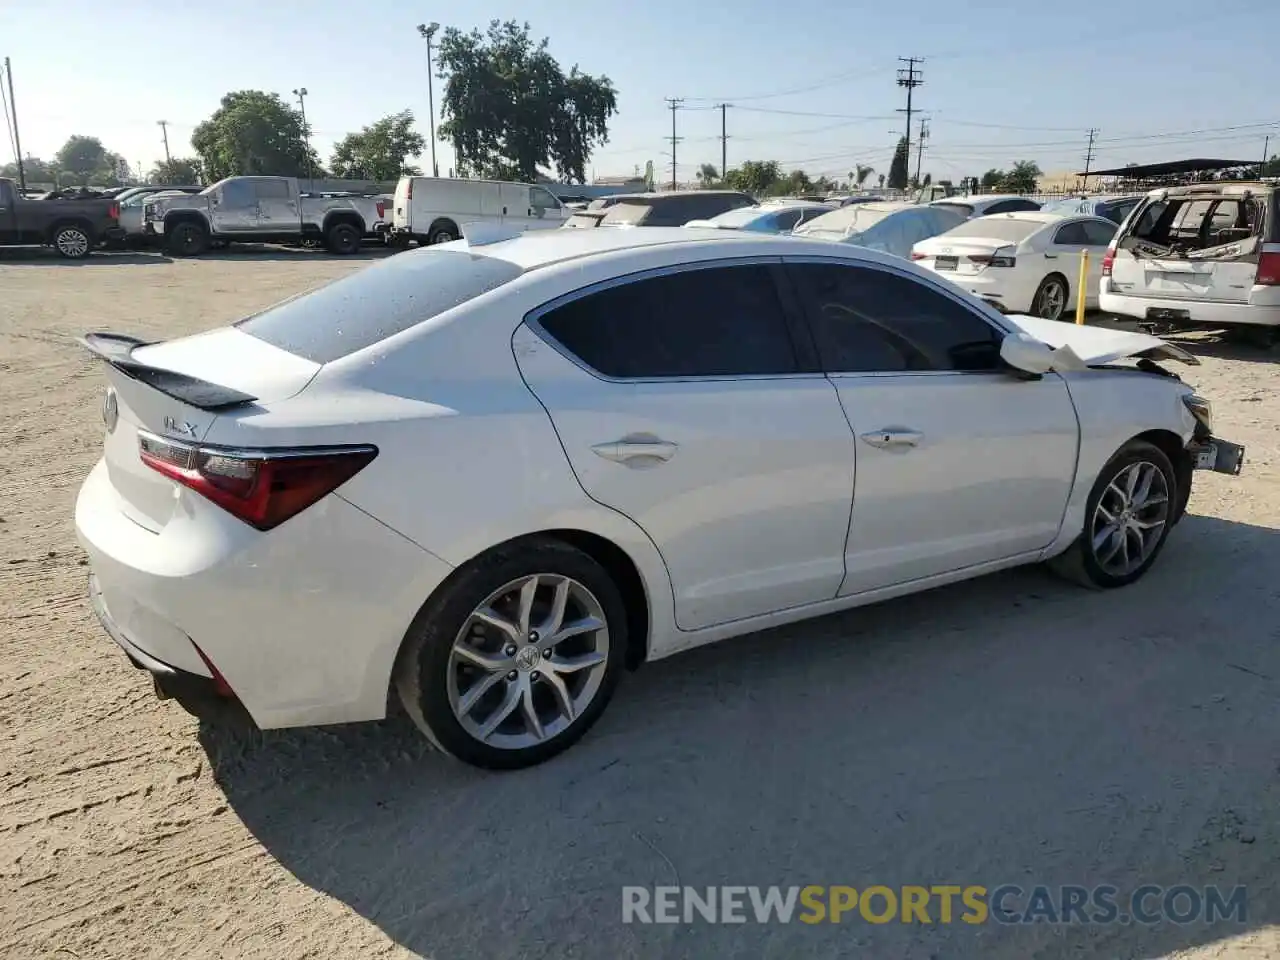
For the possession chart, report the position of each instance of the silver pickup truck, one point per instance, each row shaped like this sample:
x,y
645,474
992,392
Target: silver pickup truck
x,y
261,210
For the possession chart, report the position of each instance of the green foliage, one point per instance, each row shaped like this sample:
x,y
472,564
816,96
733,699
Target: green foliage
x,y
1022,178
509,108
756,177
1271,168
82,159
707,175
928,179
254,133
379,151
36,170
860,174
180,171
992,179
898,168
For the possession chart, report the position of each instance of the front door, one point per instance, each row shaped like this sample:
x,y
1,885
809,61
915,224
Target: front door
x,y
679,401
957,462
545,212
234,208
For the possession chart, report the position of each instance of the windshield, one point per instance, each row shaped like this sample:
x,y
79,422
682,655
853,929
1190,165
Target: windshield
x,y
965,208
377,302
742,216
848,221
996,228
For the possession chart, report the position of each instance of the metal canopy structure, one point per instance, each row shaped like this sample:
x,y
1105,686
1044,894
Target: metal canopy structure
x,y
1172,168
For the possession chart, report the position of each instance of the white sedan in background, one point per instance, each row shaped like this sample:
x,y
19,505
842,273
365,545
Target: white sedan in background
x,y
1021,262
492,475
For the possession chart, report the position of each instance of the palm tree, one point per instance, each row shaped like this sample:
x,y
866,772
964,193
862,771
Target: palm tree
x,y
707,174
862,173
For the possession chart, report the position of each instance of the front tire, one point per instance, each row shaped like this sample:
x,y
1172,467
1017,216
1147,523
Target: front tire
x,y
516,658
187,239
1127,519
72,242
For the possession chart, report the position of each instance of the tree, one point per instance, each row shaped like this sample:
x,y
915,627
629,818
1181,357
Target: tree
x,y
180,171
1022,178
882,181
860,174
898,168
35,170
379,151
81,158
251,133
928,179
992,178
509,108
756,177
707,174
1269,169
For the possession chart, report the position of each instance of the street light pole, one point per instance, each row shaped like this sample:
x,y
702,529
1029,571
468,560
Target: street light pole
x,y
428,32
301,94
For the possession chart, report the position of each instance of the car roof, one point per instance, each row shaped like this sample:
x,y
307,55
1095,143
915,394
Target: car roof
x,y
541,248
1039,216
981,198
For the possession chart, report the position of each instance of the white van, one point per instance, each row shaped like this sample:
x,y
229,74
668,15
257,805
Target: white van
x,y
433,209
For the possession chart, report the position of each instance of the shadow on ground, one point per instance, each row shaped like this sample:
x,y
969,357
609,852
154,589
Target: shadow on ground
x,y
1010,730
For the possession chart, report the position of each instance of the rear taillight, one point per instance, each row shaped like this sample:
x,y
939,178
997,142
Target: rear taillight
x,y
992,259
114,211
382,209
264,488
1268,274
919,256
1108,260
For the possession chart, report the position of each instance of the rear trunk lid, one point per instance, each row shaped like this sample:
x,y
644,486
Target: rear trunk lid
x,y
176,390
961,257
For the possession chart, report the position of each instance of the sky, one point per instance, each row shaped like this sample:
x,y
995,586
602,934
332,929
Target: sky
x,y
811,84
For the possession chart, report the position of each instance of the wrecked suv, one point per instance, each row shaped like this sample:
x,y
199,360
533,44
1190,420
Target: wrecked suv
x,y
1205,255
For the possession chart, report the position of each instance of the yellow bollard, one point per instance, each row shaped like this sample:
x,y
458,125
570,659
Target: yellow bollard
x,y
1081,282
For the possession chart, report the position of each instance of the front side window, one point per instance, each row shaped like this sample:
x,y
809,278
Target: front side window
x,y
711,322
541,199
872,321
237,194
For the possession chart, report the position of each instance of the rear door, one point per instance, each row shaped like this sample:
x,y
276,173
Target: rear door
x,y
1193,248
681,399
1069,242
279,209
8,214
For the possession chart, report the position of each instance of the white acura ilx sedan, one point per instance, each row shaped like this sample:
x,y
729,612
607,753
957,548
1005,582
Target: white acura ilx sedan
x,y
490,476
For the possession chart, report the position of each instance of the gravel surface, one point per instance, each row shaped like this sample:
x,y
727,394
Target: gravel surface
x,y
1014,729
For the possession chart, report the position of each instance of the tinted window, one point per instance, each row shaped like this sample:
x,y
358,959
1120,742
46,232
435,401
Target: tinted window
x,y
541,198
237,193
964,208
1099,234
1117,211
1017,205
872,321
1010,229
721,321
784,220
6,193
1071,235
377,302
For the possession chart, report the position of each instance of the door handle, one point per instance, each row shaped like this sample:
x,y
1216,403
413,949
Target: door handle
x,y
893,438
641,448
1051,256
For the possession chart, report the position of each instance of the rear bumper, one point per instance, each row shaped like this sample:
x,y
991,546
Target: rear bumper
x,y
114,234
304,622
1188,311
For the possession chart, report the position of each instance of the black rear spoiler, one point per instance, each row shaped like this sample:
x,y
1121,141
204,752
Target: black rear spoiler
x,y
117,350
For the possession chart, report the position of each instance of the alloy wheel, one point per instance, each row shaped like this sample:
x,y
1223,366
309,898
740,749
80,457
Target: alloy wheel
x,y
528,661
1129,521
72,243
1052,300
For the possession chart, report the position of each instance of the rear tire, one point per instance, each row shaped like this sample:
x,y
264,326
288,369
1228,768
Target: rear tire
x,y
343,239
1050,301
72,241
1128,515
443,231
492,697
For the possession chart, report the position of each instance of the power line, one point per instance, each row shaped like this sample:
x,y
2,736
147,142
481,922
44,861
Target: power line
x,y
674,105
910,78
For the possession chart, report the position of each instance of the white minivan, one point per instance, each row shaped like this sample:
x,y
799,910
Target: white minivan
x,y
433,209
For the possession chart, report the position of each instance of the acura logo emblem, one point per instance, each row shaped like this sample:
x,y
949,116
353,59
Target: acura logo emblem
x,y
110,410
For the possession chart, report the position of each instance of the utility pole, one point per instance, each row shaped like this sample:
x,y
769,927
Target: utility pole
x,y
164,132
924,133
724,141
301,94
674,105
1088,154
17,139
910,77
427,32
1266,147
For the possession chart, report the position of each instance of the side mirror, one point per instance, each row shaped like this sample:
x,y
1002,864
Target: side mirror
x,y
1026,354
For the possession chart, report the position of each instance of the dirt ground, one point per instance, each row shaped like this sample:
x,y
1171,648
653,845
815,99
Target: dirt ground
x,y
1010,730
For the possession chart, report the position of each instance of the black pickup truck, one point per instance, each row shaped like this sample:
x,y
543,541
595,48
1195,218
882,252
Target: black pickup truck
x,y
72,227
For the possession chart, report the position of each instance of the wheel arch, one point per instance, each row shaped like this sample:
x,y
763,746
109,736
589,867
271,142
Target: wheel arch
x,y
335,217
441,222
176,217
1171,445
71,220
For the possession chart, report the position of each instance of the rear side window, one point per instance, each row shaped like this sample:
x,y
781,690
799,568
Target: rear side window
x,y
1071,235
713,322
377,302
1099,234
